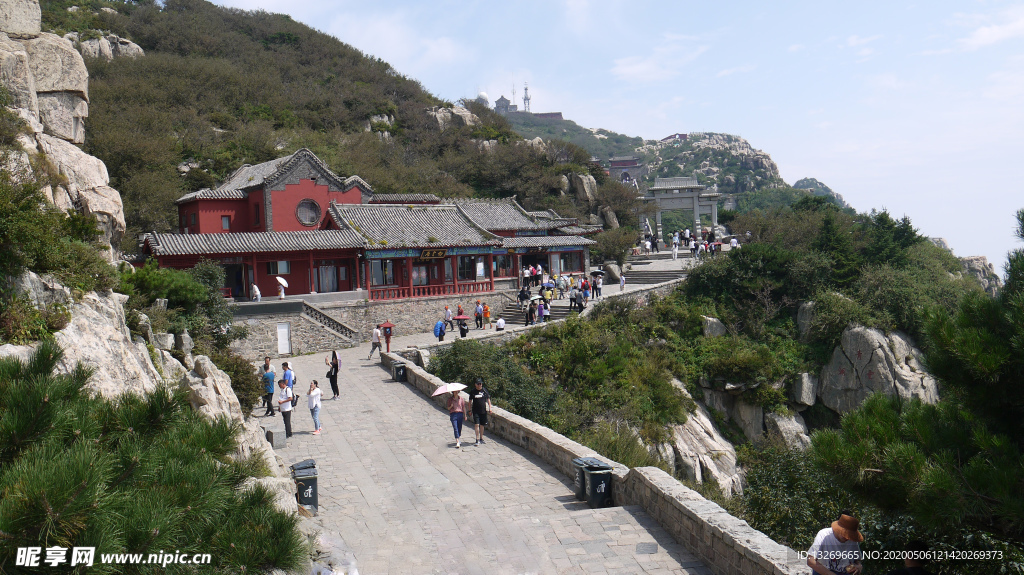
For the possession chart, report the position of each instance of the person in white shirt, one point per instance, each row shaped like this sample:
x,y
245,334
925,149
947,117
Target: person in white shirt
x,y
500,324
284,399
314,405
836,549
375,338
256,295
734,243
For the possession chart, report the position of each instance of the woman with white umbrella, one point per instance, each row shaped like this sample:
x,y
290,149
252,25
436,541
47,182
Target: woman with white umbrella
x,y
456,408
281,284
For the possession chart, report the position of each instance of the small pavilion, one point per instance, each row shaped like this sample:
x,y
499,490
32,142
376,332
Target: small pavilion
x,y
682,194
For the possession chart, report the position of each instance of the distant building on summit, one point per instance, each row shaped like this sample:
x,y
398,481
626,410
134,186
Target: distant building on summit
x,y
626,168
503,106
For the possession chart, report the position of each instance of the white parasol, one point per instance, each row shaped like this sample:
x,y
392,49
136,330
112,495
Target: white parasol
x,y
281,281
448,388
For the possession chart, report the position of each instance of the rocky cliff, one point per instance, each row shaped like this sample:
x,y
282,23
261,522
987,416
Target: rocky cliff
x,y
49,88
722,160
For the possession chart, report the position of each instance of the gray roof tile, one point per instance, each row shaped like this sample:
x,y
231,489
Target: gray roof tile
x,y
545,241
675,183
403,198
251,242
385,225
208,194
498,214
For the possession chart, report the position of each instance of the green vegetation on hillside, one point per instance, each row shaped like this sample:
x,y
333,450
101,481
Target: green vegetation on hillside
x,y
602,144
133,475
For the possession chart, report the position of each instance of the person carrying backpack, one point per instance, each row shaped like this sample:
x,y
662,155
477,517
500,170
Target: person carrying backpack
x,y
439,330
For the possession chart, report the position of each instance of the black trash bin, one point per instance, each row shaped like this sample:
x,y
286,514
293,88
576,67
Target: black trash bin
x,y
580,478
305,484
599,484
398,371
304,464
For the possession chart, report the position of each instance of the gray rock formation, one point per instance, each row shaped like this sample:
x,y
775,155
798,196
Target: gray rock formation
x,y
63,114
612,272
700,453
611,221
57,66
804,316
790,428
21,18
980,269
805,390
454,116
163,341
585,188
107,47
42,291
16,75
749,417
713,327
563,185
870,361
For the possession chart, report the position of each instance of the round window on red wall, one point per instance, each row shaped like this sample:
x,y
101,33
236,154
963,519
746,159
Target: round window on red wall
x,y
308,212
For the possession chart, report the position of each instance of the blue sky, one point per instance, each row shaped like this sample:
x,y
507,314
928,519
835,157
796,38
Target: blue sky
x,y
915,107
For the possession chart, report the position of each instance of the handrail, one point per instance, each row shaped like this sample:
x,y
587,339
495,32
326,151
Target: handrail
x,y
329,322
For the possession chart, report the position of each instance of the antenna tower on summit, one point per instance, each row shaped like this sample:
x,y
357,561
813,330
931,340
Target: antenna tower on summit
x,y
526,97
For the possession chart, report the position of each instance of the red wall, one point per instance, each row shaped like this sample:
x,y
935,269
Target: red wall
x,y
285,202
209,212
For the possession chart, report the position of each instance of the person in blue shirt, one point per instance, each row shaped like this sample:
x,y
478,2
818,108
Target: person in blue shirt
x,y
268,389
289,375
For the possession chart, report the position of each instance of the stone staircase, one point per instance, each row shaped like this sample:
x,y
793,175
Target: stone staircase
x,y
341,330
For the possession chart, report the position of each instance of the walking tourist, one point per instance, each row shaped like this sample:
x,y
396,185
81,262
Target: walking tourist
x,y
647,247
531,313
622,282
375,341
524,296
256,295
686,233
314,405
526,276
734,243
284,400
268,390
266,363
439,330
675,251
333,363
457,414
448,317
533,276
280,291
481,406
598,284
478,315
500,324
540,274
540,311
586,291
487,316
836,549
463,328
289,375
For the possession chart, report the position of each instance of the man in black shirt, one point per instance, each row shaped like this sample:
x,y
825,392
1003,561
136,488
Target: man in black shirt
x,y
481,401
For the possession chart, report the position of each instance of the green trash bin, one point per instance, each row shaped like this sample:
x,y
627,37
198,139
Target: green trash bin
x,y
599,484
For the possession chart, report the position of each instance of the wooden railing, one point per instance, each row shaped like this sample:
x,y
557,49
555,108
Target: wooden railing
x,y
396,292
321,317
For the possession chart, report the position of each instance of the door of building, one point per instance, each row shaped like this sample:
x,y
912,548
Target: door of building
x,y
344,281
328,276
284,338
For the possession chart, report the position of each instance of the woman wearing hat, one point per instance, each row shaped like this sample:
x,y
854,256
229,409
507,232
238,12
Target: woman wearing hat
x,y
836,549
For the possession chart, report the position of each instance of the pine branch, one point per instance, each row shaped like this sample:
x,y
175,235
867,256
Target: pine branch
x,y
123,476
71,500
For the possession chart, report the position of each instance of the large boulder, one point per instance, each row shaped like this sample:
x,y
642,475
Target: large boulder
x,y
563,185
16,75
749,417
104,204
790,428
585,188
870,361
209,391
42,291
83,171
454,116
123,47
805,390
20,18
612,273
981,270
57,66
713,327
63,115
804,315
700,453
611,221
94,48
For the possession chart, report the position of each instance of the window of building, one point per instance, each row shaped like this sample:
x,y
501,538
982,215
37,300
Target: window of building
x,y
502,266
308,212
193,219
419,276
472,268
382,272
447,270
256,210
225,222
278,268
572,262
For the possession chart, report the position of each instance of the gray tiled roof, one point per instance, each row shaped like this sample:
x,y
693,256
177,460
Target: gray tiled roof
x,y
251,242
385,225
499,214
546,241
208,194
403,198
546,215
675,183
249,176
574,230
623,158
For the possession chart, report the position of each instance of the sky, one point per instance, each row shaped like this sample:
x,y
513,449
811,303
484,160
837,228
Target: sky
x,y
914,107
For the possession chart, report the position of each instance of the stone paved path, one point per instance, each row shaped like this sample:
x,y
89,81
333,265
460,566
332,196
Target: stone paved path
x,y
393,487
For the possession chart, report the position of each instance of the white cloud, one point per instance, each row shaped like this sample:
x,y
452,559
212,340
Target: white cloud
x,y
796,47
1010,26
731,71
665,60
856,40
395,38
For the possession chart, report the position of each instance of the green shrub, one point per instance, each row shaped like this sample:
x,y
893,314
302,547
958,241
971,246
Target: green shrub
x,y
21,322
621,444
244,380
833,312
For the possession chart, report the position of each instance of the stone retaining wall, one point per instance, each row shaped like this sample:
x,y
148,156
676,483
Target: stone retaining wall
x,y
307,336
725,544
